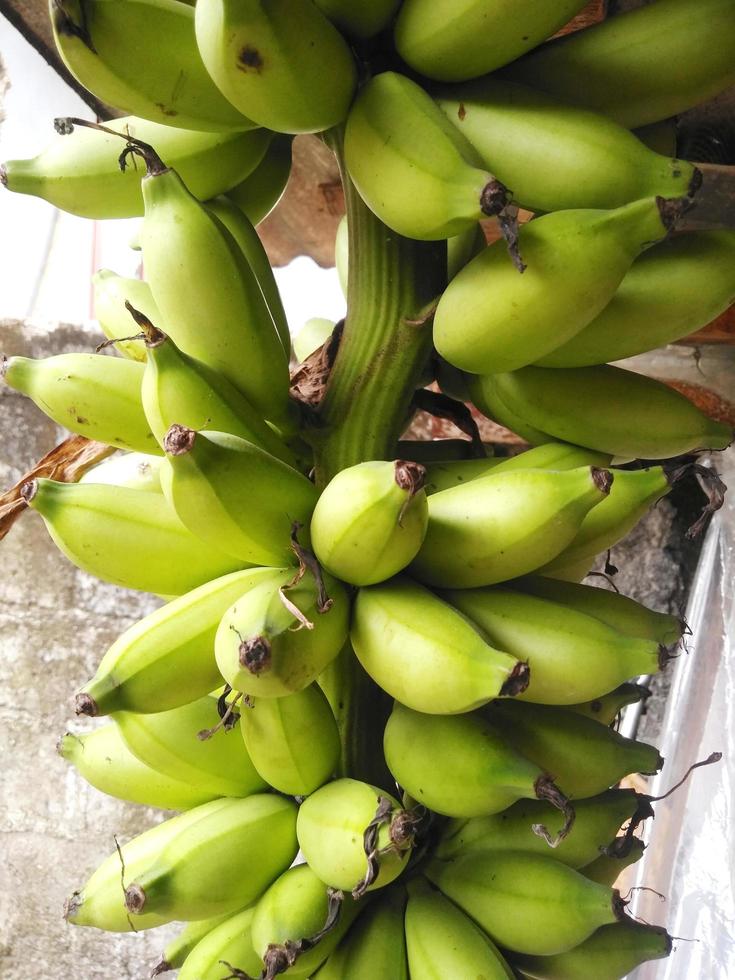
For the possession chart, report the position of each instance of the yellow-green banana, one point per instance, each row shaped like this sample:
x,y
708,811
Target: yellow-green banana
x,y
79,172
426,654
111,292
262,189
292,741
228,942
484,394
670,291
490,319
641,66
607,869
221,863
137,471
277,638
234,495
259,57
411,166
505,525
141,56
178,950
166,659
375,946
311,336
94,395
370,520
357,19
606,709
128,537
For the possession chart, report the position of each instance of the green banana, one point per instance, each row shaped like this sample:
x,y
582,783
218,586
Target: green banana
x,y
370,520
505,525
426,654
610,953
178,950
670,291
485,396
311,336
527,903
234,495
79,172
443,942
609,409
606,709
293,741
411,166
354,836
262,189
375,946
558,157
136,471
169,742
141,56
220,864
128,537
279,636
166,659
490,320
572,656
357,19
227,942
105,761
94,395
607,869
641,66
584,756
258,59
110,295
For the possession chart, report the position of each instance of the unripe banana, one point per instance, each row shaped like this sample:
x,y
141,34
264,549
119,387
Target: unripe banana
x,y
572,656
166,659
610,953
311,336
411,166
178,950
609,409
128,537
370,520
234,495
671,290
641,66
584,756
357,19
79,172
452,41
606,709
220,864
293,741
443,942
110,294
228,942
426,654
505,525
375,946
279,637
484,394
261,190
94,395
136,471
354,836
105,761
490,319
141,56
258,59
169,742
607,869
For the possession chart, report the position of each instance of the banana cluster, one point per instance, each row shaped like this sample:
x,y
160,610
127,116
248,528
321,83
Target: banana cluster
x,y
488,839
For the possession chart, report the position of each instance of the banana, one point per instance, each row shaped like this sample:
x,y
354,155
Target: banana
x,y
105,761
411,166
228,941
375,946
220,864
607,869
606,709
136,471
293,741
278,637
354,836
259,193
94,395
178,950
426,654
490,320
557,157
370,520
141,56
166,659
505,525
128,537
526,903
258,59
483,392
610,953
110,295
234,495
443,942
311,336
79,172
670,291
641,66
359,20
169,742
584,756
609,409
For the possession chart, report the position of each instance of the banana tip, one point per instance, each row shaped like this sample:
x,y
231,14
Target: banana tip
x,y
3,175
602,479
178,440
517,680
72,905
255,654
29,490
135,899
162,967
